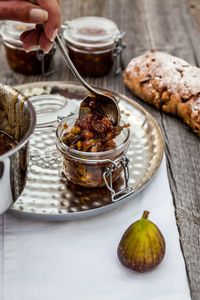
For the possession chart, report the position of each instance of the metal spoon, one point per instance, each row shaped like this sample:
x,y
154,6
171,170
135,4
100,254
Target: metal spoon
x,y
105,102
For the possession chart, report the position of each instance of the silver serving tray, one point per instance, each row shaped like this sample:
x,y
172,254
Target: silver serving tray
x,y
48,195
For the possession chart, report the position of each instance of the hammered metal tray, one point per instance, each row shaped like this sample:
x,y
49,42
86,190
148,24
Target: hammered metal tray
x,y
48,195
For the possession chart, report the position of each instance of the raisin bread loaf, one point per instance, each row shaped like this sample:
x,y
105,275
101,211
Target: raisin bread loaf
x,y
167,82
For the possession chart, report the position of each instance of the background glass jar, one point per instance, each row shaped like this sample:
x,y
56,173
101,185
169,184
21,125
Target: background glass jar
x,y
94,43
32,63
92,169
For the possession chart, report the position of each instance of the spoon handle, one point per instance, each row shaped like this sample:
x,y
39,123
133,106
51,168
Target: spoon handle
x,y
70,64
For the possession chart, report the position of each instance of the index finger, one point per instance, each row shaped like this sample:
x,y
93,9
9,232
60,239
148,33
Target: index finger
x,y
52,25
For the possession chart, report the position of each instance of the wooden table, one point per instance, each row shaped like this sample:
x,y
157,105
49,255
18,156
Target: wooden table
x,y
168,26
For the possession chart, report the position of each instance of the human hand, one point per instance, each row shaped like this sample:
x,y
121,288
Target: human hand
x,y
46,12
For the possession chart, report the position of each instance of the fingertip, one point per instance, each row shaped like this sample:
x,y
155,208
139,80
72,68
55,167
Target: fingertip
x,y
45,44
53,35
31,48
48,48
51,31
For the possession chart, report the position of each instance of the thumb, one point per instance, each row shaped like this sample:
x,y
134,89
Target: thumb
x,y
22,11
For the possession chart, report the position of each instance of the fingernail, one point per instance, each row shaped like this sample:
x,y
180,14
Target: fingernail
x,y
48,48
37,15
32,48
54,35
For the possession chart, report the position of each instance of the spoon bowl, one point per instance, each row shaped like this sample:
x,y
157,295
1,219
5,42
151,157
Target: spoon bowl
x,y
106,102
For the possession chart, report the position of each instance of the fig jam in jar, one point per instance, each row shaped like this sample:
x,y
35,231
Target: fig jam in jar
x,y
93,44
32,63
92,169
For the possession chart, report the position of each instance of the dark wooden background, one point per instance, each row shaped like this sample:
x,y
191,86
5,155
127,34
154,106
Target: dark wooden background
x,y
172,26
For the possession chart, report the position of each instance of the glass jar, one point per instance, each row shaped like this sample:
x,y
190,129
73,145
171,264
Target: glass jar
x,y
93,43
93,169
32,63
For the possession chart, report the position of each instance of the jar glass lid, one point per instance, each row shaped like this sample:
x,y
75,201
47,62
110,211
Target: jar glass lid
x,y
11,31
48,108
90,32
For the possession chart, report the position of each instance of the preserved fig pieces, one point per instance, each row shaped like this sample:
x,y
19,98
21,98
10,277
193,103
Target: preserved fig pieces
x,y
142,246
94,132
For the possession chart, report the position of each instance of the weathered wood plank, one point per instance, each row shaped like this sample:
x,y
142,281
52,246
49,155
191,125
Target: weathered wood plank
x,y
194,6
170,29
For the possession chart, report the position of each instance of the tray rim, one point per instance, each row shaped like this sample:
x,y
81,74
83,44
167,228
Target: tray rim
x,y
111,206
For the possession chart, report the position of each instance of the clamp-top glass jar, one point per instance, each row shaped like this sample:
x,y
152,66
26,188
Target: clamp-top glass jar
x,y
93,169
32,63
94,43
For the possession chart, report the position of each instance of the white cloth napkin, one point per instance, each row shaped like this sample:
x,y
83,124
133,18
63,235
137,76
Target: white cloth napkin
x,y
78,260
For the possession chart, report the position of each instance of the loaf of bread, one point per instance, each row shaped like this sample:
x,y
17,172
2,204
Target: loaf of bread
x,y
167,82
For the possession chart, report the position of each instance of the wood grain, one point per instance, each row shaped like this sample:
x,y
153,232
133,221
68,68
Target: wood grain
x,y
194,6
167,26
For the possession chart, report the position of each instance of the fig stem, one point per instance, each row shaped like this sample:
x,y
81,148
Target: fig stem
x,y
145,214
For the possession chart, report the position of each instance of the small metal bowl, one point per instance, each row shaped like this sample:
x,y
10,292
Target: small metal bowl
x,y
17,119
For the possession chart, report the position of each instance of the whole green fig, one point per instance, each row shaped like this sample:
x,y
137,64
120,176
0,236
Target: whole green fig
x,y
142,246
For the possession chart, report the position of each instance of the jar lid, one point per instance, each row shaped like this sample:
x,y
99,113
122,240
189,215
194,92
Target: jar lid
x,y
90,32
11,31
48,107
